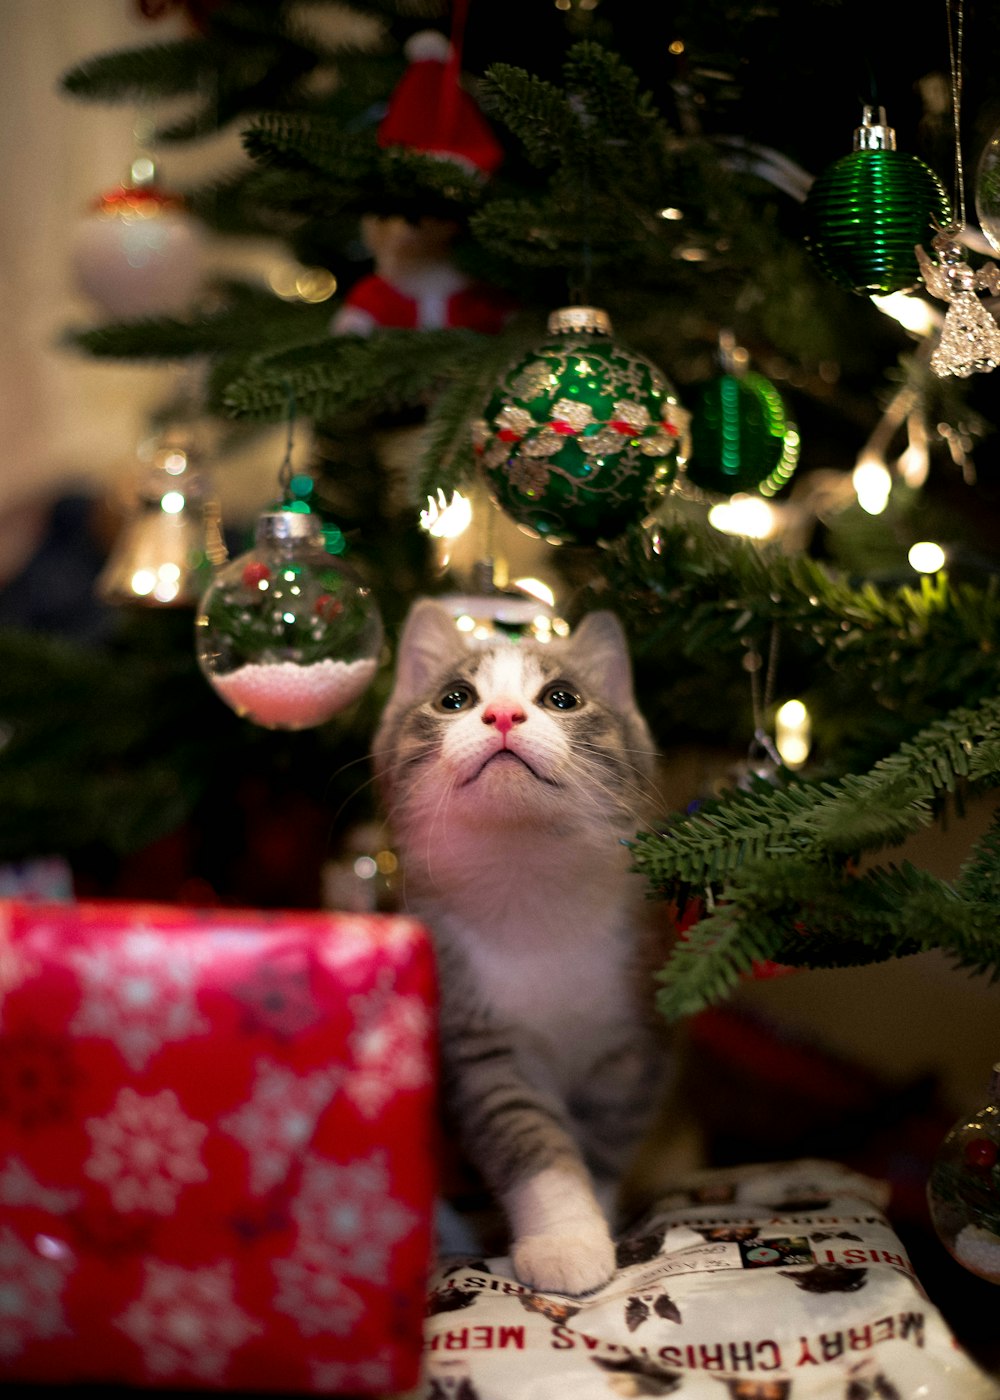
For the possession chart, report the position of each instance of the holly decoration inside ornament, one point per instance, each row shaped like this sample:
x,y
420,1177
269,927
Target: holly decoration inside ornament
x,y
138,251
865,214
286,634
963,1190
581,435
741,437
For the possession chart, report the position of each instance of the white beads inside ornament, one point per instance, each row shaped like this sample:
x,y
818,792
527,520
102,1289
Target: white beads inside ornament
x,y
286,634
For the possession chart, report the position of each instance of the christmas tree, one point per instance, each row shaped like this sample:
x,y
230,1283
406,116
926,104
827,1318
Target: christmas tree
x,y
662,168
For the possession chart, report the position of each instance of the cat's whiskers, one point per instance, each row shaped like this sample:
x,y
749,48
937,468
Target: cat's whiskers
x,y
643,791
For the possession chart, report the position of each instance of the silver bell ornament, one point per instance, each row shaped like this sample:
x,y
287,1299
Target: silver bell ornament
x,y
286,634
963,1190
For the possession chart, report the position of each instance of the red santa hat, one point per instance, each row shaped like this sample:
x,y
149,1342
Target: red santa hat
x,y
431,112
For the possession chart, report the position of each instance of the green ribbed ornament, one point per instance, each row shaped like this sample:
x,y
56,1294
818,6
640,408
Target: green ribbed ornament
x,y
741,437
866,213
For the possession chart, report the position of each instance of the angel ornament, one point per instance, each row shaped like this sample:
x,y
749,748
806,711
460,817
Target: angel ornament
x,y
970,336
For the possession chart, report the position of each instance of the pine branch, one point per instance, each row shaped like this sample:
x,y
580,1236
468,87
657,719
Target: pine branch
x,y
314,142
712,959
388,370
826,821
447,460
348,169
164,70
900,656
536,111
249,317
979,877
808,914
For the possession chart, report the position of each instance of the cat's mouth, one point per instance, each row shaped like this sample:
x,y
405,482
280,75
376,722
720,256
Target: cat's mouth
x,y
506,758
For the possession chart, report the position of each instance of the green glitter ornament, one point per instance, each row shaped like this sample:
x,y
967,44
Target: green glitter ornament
x,y
580,437
741,437
868,211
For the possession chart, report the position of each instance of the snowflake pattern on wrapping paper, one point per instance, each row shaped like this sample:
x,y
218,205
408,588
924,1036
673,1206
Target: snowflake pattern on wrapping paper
x,y
278,1120
20,1187
138,996
345,1210
375,1373
31,1287
145,1151
388,1047
348,953
186,1321
310,1291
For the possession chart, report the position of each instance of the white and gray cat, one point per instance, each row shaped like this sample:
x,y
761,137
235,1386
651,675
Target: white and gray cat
x,y
512,772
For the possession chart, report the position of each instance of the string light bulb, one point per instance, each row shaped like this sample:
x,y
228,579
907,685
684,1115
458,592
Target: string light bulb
x,y
872,482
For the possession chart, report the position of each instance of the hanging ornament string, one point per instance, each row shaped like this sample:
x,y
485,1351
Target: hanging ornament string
x,y
763,759
970,337
453,66
955,14
285,470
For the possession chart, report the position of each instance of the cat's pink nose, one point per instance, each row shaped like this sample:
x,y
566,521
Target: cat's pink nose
x,y
504,714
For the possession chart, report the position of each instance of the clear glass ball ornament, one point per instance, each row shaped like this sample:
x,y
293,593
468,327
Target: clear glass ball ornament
x,y
286,634
963,1190
988,191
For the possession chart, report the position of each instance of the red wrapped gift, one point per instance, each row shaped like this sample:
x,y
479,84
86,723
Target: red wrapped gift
x,y
217,1147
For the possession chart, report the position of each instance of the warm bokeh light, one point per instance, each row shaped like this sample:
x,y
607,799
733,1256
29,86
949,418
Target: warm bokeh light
x,y
913,313
872,483
792,733
749,516
926,557
444,519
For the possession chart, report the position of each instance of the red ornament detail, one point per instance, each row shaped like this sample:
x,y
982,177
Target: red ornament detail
x,y
671,428
254,574
559,425
620,426
137,199
328,607
508,435
980,1152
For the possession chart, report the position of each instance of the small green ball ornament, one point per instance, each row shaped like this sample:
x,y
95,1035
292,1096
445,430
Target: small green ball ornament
x,y
741,437
867,212
581,435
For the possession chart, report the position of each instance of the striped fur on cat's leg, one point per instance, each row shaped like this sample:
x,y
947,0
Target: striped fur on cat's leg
x,y
521,1136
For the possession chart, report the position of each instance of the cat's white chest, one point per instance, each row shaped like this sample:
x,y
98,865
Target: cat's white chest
x,y
547,984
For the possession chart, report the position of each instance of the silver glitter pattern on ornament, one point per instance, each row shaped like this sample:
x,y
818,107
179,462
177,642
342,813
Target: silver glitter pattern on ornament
x,y
970,337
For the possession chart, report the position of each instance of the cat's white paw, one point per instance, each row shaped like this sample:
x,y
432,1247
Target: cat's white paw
x,y
565,1263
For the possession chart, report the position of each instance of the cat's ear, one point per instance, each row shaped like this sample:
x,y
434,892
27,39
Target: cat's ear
x,y
428,640
599,640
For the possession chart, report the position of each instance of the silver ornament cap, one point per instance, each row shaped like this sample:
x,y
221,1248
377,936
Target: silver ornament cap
x,y
579,318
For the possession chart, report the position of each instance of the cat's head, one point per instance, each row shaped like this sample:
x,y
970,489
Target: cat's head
x,y
508,731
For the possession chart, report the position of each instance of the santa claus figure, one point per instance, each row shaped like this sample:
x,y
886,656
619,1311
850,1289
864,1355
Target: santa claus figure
x,y
415,284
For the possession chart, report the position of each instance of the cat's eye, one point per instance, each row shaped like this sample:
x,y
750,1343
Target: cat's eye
x,y
560,697
457,697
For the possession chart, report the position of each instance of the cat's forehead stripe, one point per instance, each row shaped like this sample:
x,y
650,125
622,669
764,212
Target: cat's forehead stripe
x,y
508,669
